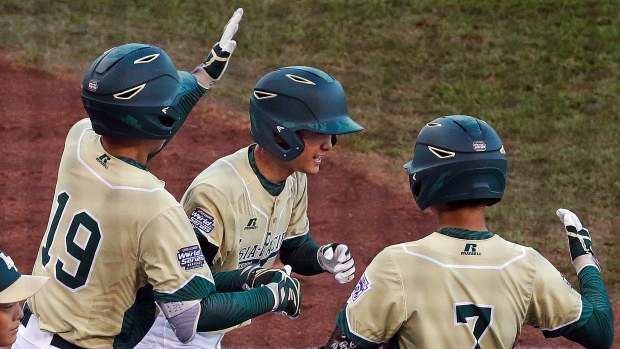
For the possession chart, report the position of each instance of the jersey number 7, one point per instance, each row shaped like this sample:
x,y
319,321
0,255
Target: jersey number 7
x,y
481,315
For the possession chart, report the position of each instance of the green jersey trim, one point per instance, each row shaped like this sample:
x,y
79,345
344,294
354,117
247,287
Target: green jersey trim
x,y
131,162
466,234
197,287
343,324
137,320
272,188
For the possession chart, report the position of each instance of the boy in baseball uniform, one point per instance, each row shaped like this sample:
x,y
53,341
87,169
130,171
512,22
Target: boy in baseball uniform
x,y
250,206
464,286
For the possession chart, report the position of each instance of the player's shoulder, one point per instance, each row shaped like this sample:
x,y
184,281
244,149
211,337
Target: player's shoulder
x,y
78,128
227,174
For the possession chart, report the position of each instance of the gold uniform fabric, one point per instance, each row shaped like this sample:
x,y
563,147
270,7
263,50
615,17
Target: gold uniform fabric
x,y
249,223
445,292
142,229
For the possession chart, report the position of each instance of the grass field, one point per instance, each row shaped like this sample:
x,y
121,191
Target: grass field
x,y
543,73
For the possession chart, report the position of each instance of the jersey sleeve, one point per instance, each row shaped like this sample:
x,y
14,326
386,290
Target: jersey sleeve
x,y
555,304
376,309
172,260
299,224
210,214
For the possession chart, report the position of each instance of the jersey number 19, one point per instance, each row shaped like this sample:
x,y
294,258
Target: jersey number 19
x,y
83,253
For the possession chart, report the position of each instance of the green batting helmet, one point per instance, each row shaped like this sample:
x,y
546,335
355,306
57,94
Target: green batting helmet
x,y
134,91
457,158
297,98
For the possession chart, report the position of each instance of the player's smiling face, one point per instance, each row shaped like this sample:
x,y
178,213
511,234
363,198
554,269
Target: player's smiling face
x,y
316,146
10,314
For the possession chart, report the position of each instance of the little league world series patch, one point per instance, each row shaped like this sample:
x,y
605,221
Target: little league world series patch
x,y
190,257
202,221
362,286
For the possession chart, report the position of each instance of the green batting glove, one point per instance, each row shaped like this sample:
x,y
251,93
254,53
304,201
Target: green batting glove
x,y
579,241
216,62
255,276
287,293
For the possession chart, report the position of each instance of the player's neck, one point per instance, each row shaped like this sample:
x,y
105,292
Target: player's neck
x,y
468,218
136,149
270,167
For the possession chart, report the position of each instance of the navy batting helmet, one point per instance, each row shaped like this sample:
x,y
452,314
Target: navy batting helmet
x,y
134,91
297,98
457,158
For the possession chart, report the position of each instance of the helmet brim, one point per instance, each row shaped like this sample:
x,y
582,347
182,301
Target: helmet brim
x,y
337,126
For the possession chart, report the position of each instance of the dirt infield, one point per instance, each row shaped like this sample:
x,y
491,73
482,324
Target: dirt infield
x,y
357,201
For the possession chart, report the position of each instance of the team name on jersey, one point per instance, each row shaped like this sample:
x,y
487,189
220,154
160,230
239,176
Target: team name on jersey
x,y
267,248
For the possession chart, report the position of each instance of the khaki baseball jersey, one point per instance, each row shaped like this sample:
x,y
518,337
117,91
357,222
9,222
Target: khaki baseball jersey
x,y
228,204
113,230
448,292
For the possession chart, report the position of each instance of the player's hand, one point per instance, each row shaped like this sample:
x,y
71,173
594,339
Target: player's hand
x,y
579,242
256,276
216,62
336,259
287,293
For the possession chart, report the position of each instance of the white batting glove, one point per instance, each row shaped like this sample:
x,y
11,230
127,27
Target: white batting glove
x,y
336,259
217,61
579,242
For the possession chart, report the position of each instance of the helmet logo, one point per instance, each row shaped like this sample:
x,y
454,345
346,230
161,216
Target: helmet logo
x,y
480,146
442,154
279,128
146,59
299,79
264,95
92,85
129,94
165,110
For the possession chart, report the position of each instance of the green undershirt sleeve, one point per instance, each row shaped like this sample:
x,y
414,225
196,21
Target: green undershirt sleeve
x,y
224,310
595,327
598,329
226,281
300,254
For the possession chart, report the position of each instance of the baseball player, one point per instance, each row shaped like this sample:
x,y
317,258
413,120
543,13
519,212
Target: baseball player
x,y
464,286
251,205
14,288
118,246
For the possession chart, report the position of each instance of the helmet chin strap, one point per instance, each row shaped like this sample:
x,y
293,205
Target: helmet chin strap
x,y
152,155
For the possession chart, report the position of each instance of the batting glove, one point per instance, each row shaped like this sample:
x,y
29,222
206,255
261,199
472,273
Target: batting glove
x,y
336,259
579,242
256,276
287,293
216,62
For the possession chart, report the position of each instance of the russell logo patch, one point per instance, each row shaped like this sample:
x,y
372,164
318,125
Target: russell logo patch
x,y
202,221
190,257
362,286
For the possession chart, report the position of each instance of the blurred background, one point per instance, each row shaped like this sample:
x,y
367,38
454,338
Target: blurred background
x,y
544,73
